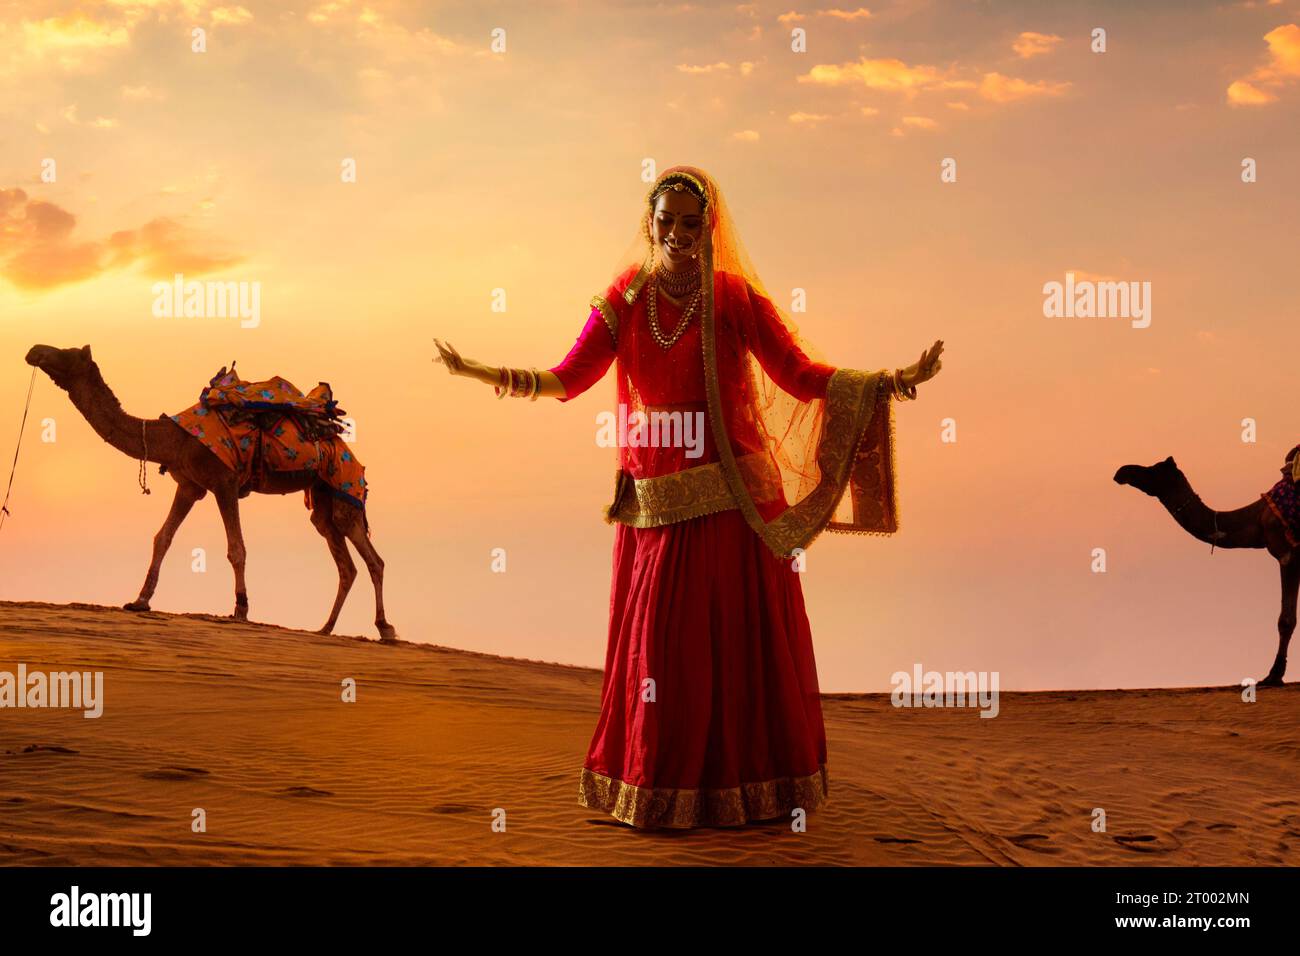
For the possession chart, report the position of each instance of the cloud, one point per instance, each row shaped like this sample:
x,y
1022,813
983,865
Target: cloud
x,y
1260,87
703,68
745,136
891,75
808,118
1008,89
786,19
1030,44
38,250
232,16
72,41
861,13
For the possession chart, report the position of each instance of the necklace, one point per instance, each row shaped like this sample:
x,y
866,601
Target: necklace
x,y
652,312
677,284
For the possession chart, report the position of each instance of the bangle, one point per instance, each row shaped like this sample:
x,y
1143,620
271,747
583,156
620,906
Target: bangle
x,y
903,393
537,384
503,382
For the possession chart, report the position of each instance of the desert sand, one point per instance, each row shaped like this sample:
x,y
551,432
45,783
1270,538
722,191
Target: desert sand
x,y
246,721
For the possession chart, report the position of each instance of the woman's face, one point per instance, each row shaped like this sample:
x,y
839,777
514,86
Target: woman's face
x,y
677,226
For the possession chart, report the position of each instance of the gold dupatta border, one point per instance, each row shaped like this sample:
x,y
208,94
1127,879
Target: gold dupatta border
x,y
728,807
851,399
888,474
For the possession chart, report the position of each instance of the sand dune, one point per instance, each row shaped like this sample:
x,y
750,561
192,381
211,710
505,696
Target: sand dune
x,y
246,722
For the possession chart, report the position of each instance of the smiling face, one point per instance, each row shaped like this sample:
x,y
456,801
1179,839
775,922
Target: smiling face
x,y
677,227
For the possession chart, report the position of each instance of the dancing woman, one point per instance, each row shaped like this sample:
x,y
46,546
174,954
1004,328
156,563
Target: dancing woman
x,y
710,712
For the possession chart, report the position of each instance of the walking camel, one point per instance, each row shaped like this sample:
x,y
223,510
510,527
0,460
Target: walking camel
x,y
197,471
1254,526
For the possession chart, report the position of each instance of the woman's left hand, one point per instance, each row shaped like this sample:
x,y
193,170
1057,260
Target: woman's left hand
x,y
926,368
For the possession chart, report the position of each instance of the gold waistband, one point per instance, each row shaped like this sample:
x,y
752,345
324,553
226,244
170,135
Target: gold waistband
x,y
690,493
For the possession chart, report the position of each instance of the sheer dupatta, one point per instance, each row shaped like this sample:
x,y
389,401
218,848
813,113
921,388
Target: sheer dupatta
x,y
830,444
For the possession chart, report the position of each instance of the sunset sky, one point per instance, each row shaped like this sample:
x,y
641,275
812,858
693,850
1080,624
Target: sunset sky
x,y
482,168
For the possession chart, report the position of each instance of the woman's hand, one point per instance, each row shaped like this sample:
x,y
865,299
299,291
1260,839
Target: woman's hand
x,y
926,367
458,365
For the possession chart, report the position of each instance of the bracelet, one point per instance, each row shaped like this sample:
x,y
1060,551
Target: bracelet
x,y
502,386
537,384
902,393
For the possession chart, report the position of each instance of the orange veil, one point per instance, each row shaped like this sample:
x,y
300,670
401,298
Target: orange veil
x,y
833,451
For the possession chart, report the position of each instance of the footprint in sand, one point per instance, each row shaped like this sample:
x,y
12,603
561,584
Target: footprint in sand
x,y
1145,843
174,773
47,748
1026,841
1221,826
305,792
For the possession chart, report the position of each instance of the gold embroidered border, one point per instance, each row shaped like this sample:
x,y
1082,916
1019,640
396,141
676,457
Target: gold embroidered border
x,y
608,314
665,807
638,280
690,493
887,474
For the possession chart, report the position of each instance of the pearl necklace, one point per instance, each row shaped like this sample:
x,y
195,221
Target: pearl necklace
x,y
652,312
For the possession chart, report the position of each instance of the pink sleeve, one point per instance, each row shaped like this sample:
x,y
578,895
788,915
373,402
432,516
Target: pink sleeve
x,y
781,357
588,360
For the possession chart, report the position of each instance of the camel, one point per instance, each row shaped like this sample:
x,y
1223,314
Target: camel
x,y
1254,526
197,471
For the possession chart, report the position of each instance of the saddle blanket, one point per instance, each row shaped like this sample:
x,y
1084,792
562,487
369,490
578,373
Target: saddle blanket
x,y
1283,497
256,427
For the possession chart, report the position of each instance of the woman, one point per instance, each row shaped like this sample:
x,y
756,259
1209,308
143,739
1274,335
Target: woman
x,y
710,711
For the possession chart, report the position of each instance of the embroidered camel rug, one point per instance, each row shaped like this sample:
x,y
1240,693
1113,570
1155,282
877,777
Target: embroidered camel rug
x,y
257,427
1284,497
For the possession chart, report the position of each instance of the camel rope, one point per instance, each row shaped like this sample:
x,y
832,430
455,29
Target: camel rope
x,y
143,478
4,508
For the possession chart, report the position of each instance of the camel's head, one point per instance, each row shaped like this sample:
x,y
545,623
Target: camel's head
x,y
63,366
1152,479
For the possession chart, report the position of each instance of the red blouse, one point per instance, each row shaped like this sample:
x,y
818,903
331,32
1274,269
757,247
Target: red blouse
x,y
677,374
747,323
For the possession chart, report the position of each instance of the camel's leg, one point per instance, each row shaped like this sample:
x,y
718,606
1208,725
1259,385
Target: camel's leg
x,y
321,518
186,494
348,520
1290,563
228,502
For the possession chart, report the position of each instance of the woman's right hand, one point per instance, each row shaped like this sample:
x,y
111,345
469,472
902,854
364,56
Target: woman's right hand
x,y
458,365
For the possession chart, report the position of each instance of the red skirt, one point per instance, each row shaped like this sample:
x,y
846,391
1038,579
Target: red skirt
x,y
710,712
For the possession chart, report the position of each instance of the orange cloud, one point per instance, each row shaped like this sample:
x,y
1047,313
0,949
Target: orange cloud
x,y
885,74
38,250
1282,70
703,68
1007,89
861,13
1030,44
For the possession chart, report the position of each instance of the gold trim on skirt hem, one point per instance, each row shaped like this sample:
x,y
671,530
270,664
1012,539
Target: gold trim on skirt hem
x,y
734,806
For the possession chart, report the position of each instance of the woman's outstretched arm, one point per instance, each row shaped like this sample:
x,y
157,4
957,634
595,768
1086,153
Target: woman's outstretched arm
x,y
799,375
585,364
548,385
